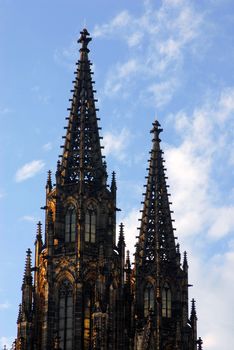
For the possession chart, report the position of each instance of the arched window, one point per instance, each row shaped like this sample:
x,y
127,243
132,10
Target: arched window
x,y
65,315
70,224
88,309
90,224
148,299
166,301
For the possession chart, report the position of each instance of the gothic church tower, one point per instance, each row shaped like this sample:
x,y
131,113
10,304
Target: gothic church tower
x,y
84,293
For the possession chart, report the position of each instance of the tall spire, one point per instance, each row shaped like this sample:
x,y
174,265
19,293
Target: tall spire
x,y
156,231
82,159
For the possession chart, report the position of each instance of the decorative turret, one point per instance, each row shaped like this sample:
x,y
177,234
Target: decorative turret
x,y
49,182
19,318
121,248
24,321
185,262
82,159
193,321
38,248
27,288
113,185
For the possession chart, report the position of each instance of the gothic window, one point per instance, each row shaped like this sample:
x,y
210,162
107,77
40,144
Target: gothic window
x,y
90,224
70,224
65,315
88,306
148,299
166,301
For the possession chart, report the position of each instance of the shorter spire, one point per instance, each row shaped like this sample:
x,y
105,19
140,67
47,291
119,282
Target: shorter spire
x,y
27,279
193,311
121,233
19,318
128,262
185,262
39,232
49,182
113,182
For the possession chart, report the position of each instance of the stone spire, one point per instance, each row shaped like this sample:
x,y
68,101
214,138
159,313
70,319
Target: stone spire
x,y
82,160
156,231
27,279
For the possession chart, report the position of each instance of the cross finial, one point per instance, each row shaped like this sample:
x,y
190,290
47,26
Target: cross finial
x,y
84,40
156,130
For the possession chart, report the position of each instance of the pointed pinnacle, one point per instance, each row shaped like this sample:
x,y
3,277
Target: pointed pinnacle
x,y
39,234
121,232
49,181
27,279
113,182
128,262
193,310
185,261
84,40
19,318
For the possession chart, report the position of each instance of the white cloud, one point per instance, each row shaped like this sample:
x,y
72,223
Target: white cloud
x,y
119,21
29,170
2,194
115,143
115,83
204,218
47,146
6,341
131,223
28,218
4,306
4,110
161,93
157,49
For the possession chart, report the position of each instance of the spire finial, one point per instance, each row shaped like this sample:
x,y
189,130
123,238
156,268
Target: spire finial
x,y
156,130
84,40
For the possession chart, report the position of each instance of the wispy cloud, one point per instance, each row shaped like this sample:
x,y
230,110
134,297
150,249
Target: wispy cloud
x,y
2,194
4,110
157,49
28,218
206,144
66,56
115,143
123,19
47,146
29,170
6,341
40,95
205,221
4,306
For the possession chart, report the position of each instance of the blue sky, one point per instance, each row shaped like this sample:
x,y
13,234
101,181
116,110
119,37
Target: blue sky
x,y
171,60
